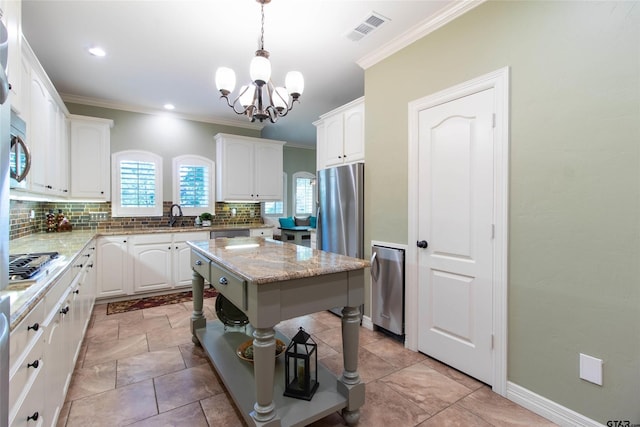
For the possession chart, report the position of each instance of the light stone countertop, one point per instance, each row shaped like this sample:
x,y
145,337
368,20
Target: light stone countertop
x,y
69,245
261,261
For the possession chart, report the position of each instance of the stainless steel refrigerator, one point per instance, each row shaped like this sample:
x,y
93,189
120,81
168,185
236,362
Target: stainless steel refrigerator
x,y
340,217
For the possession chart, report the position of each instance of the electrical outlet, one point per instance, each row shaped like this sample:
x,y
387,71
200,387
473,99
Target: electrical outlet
x,y
98,216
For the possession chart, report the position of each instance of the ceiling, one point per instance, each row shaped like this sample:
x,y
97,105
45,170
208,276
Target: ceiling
x,y
162,51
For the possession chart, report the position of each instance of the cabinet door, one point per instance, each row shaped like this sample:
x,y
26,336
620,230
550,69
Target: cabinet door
x,y
113,266
182,272
354,134
36,134
321,161
235,170
152,266
90,166
334,139
268,167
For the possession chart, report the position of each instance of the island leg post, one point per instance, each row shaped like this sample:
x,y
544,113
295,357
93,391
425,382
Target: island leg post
x,y
197,317
264,350
349,384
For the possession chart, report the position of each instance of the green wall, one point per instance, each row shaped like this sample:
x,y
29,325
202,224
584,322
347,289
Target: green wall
x,y
574,200
169,137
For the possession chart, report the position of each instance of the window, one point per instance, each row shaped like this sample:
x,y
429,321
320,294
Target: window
x,y
137,184
304,193
193,184
280,207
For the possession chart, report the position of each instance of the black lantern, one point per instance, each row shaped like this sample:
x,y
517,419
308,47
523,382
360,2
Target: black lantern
x,y
301,360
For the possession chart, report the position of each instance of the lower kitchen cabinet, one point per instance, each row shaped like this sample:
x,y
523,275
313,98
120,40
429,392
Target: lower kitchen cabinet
x,y
46,343
144,263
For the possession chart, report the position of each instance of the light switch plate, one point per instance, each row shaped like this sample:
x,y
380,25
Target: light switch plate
x,y
591,369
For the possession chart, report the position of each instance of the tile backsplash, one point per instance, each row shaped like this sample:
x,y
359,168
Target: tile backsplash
x,y
97,216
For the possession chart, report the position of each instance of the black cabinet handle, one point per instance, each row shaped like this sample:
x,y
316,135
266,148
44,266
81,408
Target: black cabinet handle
x,y
33,417
77,291
35,364
422,244
64,310
35,327
223,281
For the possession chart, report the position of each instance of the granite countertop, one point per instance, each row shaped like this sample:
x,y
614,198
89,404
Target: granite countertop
x,y
261,261
69,245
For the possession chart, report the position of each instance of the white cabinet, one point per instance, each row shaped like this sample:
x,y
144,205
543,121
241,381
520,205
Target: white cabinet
x,y
46,343
90,162
12,17
340,135
143,263
152,262
114,266
248,169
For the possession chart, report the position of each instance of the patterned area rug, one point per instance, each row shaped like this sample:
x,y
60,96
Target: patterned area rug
x,y
155,301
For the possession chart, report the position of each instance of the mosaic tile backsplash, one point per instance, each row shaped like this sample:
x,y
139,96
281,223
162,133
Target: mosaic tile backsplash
x,y
88,216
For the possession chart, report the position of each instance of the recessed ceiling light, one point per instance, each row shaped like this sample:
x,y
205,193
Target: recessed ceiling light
x,y
97,51
169,106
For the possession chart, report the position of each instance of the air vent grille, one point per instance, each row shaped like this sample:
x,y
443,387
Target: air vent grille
x,y
372,21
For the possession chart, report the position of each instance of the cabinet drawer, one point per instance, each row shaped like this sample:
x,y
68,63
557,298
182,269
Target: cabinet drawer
x,y
29,404
26,371
60,287
261,232
26,333
200,264
229,285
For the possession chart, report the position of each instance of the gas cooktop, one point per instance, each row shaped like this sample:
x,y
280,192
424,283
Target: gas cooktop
x,y
26,266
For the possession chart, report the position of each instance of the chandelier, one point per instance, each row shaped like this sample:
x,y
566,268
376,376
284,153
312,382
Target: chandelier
x,y
260,99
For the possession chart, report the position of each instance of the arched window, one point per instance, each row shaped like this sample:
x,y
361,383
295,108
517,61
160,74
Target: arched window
x,y
194,184
136,180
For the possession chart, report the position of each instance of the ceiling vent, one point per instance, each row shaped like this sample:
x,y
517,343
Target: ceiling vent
x,y
367,26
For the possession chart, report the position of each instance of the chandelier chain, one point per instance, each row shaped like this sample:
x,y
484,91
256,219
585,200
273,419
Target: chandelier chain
x,y
262,26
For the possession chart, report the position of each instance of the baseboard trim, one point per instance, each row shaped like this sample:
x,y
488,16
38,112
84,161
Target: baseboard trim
x,y
547,408
367,323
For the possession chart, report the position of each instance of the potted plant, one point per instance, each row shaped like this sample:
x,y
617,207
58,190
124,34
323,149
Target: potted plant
x,y
206,218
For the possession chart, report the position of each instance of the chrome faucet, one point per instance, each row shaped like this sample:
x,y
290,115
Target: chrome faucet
x,y
172,217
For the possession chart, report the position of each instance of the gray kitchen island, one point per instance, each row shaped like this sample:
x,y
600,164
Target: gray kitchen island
x,y
271,281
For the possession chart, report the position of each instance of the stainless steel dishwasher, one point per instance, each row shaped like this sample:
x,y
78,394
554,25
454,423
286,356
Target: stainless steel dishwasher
x,y
387,288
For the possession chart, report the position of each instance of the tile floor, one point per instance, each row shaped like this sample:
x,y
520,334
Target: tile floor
x,y
141,369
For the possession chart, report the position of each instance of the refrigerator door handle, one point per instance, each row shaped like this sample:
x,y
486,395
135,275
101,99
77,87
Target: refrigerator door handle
x,y
374,262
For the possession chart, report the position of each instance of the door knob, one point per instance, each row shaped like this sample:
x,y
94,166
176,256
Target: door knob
x,y
422,244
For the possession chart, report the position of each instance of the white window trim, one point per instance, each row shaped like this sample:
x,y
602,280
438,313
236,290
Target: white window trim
x,y
284,200
293,192
144,156
194,160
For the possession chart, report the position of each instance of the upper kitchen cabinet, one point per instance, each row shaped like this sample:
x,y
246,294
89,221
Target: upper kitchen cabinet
x,y
90,161
12,18
248,169
340,135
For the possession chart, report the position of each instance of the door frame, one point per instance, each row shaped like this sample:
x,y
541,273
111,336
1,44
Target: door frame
x,y
499,81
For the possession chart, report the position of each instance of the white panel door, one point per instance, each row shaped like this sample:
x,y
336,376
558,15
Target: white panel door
x,y
455,218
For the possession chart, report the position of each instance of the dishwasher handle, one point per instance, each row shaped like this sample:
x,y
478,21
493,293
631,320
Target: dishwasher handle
x,y
374,261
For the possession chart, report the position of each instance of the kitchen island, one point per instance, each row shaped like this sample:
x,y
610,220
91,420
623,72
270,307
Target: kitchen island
x,y
272,281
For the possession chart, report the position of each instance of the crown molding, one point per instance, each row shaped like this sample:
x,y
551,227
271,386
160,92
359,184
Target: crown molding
x,y
418,31
75,99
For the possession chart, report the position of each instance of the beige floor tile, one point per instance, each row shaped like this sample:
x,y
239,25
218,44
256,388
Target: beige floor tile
x,y
455,416
370,366
220,411
310,324
101,352
324,349
465,380
148,365
106,330
189,415
394,353
500,411
193,355
118,407
171,337
186,386
426,387
384,407
180,319
164,310
142,326
64,415
328,318
92,380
